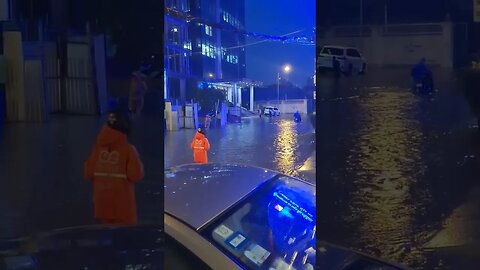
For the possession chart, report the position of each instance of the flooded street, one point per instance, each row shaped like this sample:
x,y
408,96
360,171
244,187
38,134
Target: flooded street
x,y
397,169
276,143
41,172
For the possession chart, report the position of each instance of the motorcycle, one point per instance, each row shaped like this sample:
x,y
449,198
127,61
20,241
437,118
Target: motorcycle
x,y
297,118
423,86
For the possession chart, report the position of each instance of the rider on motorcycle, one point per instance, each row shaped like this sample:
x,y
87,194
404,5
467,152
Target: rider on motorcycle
x,y
296,117
421,74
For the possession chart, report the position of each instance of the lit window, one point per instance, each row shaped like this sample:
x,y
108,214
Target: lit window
x,y
208,30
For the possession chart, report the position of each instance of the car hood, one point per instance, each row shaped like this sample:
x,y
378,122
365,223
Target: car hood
x,y
197,193
330,256
113,247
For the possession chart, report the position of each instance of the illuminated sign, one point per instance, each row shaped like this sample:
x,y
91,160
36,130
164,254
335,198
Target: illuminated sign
x,y
293,206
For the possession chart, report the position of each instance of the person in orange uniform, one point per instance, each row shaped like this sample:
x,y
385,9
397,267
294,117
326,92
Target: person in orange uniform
x,y
114,166
200,146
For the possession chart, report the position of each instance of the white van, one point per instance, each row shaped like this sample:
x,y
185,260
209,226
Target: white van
x,y
351,60
273,110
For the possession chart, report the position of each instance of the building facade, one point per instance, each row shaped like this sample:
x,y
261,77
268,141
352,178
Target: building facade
x,y
205,46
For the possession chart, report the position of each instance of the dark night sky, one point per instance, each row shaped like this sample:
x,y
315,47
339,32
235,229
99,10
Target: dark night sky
x,y
399,11
278,17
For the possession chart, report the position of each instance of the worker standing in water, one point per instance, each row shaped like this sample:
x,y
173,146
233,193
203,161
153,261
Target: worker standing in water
x,y
113,167
200,146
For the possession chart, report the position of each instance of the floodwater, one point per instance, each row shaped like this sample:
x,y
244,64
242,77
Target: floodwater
x,y
276,143
397,170
41,173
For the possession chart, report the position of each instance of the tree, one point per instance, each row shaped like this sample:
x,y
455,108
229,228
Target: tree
x,y
208,98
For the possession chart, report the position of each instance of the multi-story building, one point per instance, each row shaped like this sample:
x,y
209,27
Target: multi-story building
x,y
205,47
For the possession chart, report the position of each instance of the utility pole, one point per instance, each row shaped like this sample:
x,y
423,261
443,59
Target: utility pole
x,y
361,12
278,87
386,13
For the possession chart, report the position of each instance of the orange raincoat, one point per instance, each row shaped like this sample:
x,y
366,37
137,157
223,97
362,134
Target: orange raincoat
x,y
114,166
200,146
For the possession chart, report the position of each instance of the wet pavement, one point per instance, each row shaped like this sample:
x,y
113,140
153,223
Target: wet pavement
x,y
41,173
276,143
399,172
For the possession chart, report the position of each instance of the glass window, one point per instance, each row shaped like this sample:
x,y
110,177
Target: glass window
x,y
181,258
208,30
273,228
333,51
353,53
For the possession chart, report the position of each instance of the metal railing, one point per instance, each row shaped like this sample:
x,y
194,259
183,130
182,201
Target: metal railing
x,y
413,29
385,30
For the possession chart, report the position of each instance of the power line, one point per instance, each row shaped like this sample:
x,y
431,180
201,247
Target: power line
x,y
225,27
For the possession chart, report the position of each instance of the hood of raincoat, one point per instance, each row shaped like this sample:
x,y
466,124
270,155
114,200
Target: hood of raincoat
x,y
109,136
199,136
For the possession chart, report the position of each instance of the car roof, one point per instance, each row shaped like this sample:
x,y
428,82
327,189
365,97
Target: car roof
x,y
197,193
339,47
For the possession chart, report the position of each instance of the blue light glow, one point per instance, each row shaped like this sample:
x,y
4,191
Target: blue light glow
x,y
293,206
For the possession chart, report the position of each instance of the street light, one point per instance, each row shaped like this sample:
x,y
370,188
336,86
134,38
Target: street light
x,y
286,69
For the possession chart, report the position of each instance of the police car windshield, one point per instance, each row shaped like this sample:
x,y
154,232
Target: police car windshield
x,y
273,228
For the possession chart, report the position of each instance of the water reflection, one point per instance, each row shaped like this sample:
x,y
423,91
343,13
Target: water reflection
x,y
286,144
387,162
276,143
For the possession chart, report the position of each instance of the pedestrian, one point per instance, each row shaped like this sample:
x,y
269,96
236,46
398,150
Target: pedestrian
x,y
114,166
336,68
200,146
208,120
260,112
138,88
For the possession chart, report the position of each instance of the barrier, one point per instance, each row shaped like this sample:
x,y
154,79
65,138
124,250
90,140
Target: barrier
x,y
402,44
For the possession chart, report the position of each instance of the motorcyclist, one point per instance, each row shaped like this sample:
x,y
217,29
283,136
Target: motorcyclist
x,y
422,74
296,116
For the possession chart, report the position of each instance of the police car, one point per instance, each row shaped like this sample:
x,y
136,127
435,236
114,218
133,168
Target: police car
x,y
224,216
238,217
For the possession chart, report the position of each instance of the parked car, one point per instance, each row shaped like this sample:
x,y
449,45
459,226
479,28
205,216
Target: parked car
x,y
222,217
273,110
97,247
351,60
238,217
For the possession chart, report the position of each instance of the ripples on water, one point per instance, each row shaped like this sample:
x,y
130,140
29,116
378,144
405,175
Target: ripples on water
x,y
286,144
276,143
386,163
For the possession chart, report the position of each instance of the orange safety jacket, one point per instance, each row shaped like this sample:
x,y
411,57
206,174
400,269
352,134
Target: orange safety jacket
x,y
114,166
200,146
